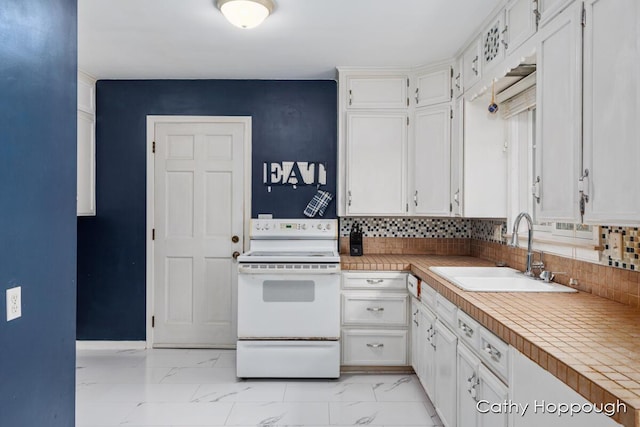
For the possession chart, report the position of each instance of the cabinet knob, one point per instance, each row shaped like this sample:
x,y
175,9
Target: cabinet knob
x,y
235,255
235,239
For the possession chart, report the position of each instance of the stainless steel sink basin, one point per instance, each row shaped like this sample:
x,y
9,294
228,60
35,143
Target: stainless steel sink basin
x,y
495,279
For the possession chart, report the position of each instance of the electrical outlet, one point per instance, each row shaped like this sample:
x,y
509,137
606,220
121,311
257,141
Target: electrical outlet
x,y
14,303
615,245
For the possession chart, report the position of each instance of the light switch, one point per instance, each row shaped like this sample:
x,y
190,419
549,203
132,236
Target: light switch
x,y
615,245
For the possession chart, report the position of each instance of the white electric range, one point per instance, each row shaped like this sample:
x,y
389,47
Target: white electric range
x,y
289,300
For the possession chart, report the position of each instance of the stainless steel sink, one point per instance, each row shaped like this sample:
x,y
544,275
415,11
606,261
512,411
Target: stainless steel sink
x,y
495,279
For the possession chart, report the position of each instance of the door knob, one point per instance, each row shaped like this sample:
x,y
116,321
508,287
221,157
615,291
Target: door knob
x,y
235,239
235,255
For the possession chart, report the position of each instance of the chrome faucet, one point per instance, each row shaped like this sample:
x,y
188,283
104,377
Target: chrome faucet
x,y
514,239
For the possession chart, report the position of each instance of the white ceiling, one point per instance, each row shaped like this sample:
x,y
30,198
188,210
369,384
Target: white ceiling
x,y
303,39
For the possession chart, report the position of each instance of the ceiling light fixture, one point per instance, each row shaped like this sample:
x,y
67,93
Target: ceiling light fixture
x,y
246,13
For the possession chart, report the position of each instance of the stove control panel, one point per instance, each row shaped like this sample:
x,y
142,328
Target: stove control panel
x,y
294,228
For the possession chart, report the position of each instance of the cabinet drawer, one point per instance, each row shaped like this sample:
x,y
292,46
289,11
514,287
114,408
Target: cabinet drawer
x,y
359,309
495,353
446,311
374,347
428,296
374,280
468,330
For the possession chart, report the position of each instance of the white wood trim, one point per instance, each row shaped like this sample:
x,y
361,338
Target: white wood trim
x,y
111,345
151,123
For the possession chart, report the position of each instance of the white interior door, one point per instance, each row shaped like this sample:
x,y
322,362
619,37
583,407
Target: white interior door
x,y
198,213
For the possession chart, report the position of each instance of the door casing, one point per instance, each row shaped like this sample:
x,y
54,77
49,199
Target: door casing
x,y
151,124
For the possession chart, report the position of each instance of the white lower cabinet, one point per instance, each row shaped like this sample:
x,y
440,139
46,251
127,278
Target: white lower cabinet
x,y
415,333
467,392
427,367
446,378
491,391
378,348
375,319
530,384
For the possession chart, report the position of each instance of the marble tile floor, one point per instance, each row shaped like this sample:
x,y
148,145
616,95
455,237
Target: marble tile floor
x,y
166,387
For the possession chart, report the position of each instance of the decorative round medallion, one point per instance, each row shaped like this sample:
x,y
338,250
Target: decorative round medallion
x,y
492,43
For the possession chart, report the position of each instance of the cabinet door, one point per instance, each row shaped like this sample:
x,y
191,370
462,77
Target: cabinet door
x,y
520,20
446,378
428,356
380,92
550,8
467,388
492,390
559,139
433,86
431,161
86,157
612,111
485,162
458,88
376,160
457,141
415,336
471,64
493,43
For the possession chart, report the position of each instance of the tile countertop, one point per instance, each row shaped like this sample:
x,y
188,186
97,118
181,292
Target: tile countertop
x,y
590,343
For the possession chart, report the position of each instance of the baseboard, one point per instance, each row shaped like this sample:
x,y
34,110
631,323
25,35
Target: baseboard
x,y
111,345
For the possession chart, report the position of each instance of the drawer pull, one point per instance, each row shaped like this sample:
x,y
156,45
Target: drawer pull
x,y
493,352
375,282
467,330
375,309
375,345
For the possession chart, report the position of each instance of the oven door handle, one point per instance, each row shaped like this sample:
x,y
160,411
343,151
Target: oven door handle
x,y
304,271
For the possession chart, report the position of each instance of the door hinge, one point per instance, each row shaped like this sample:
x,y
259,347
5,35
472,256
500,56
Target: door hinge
x,y
407,121
153,234
153,147
407,101
407,208
407,82
451,69
451,113
451,93
153,321
450,207
584,16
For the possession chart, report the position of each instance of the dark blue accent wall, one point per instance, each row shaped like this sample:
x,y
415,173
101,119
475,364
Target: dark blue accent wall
x,y
38,210
291,121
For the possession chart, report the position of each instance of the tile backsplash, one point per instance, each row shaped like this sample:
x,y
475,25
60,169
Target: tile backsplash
x,y
484,230
434,228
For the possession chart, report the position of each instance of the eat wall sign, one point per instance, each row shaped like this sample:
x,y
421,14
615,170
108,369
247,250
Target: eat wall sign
x,y
294,173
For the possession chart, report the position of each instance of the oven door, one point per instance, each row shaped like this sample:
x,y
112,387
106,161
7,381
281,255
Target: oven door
x,y
273,305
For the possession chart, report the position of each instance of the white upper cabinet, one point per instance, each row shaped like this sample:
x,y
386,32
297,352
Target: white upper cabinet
x,y
471,65
612,111
559,98
485,161
431,160
550,8
86,146
456,82
376,150
493,43
457,161
433,86
520,23
377,91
